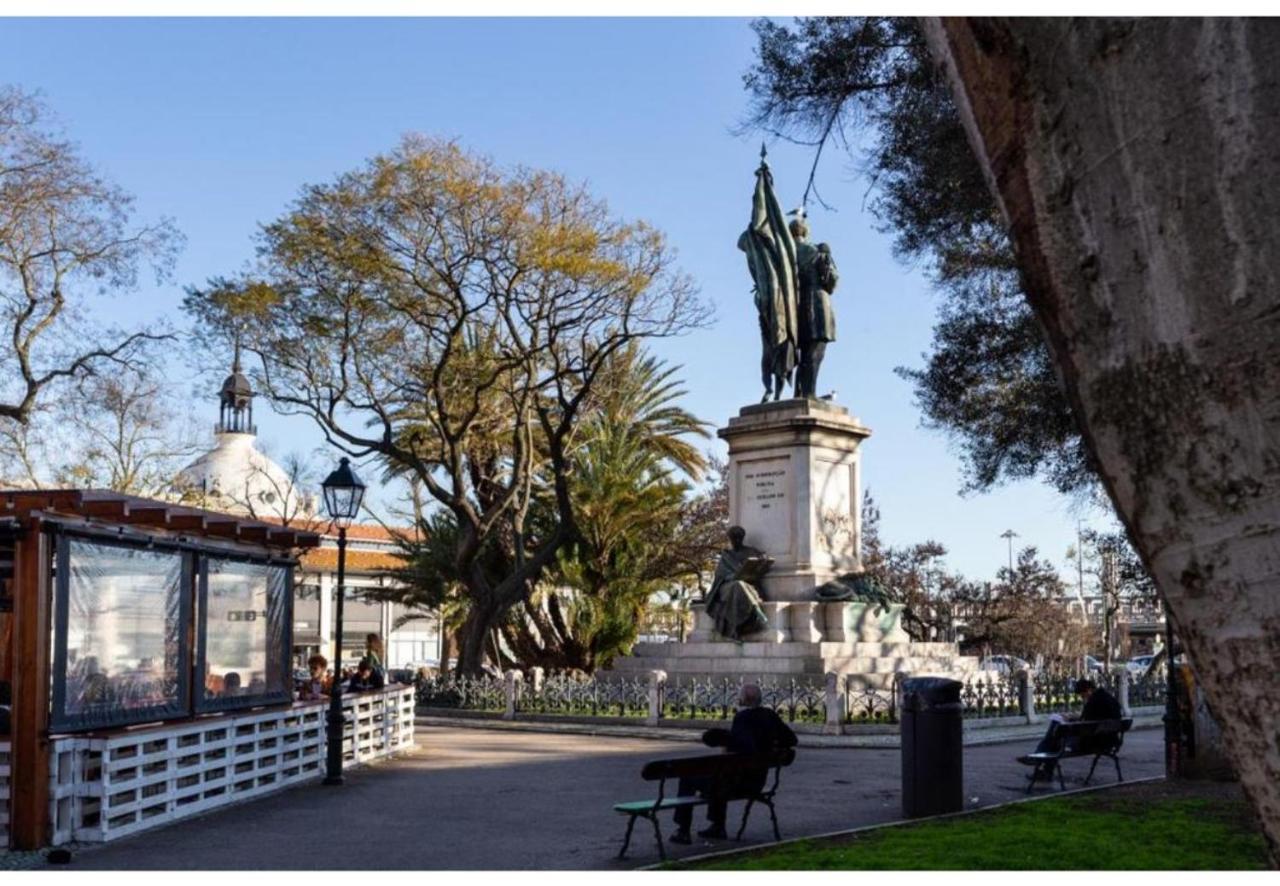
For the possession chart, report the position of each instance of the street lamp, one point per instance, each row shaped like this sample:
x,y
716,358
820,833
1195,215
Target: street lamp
x,y
1010,535
343,493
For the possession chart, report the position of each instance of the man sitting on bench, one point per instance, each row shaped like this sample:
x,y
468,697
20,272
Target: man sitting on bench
x,y
755,730
1099,704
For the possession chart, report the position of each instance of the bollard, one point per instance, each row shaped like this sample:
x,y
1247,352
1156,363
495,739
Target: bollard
x,y
511,683
834,700
657,687
1027,691
1122,690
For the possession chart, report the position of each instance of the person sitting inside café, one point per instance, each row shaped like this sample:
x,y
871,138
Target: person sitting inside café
x,y
318,680
1099,704
365,678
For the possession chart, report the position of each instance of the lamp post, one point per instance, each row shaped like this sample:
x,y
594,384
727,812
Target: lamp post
x,y
1010,535
343,493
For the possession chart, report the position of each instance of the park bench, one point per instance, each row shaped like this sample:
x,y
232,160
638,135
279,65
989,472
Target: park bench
x,y
724,768
1081,738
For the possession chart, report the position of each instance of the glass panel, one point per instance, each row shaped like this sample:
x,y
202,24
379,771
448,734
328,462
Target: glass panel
x,y
245,633
123,648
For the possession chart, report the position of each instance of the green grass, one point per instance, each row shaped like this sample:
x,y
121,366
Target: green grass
x,y
1127,829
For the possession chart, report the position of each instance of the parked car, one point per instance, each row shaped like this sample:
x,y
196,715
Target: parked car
x,y
1005,664
1092,665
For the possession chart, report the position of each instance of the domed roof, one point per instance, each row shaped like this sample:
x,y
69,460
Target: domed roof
x,y
236,476
236,385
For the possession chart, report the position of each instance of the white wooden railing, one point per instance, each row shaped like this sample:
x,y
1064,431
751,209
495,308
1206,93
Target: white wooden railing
x,y
110,786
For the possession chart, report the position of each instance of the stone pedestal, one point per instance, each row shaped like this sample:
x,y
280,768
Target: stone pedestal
x,y
794,487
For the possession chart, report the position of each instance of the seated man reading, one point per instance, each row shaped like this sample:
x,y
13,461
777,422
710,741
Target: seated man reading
x,y
1099,704
734,599
755,730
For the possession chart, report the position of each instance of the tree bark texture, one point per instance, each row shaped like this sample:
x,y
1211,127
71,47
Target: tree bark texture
x,y
1138,166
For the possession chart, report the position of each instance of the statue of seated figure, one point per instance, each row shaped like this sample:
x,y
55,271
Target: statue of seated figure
x,y
734,600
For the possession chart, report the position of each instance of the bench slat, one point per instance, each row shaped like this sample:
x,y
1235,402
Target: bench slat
x,y
667,803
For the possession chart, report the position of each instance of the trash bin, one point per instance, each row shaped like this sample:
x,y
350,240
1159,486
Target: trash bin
x,y
932,747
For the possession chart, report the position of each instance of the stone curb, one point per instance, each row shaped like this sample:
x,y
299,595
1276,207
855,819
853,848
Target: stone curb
x,y
979,737
759,847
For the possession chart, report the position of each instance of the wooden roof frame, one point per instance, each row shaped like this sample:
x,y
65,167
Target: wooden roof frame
x,y
115,507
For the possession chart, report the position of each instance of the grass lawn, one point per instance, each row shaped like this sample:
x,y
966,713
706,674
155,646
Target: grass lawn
x,y
1150,826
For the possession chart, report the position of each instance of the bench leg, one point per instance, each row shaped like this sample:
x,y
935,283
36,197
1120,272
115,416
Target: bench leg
x,y
773,816
745,813
1091,768
657,832
1062,782
1116,760
631,823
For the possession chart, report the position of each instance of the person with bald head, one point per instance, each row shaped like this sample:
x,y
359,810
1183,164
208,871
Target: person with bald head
x,y
756,730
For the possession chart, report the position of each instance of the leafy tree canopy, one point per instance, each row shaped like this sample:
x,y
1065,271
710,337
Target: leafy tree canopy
x,y
988,380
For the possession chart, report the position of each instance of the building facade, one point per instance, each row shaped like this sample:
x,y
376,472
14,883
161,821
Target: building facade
x,y
237,477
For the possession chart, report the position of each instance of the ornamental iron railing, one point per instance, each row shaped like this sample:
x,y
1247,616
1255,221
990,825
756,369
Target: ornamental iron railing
x,y
984,695
584,696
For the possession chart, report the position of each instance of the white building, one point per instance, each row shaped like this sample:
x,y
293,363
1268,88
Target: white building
x,y
235,476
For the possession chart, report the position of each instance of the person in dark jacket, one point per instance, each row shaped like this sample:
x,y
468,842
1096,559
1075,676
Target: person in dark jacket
x,y
755,730
365,678
1099,704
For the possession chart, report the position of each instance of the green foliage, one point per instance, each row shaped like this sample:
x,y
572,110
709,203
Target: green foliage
x,y
1089,833
455,320
988,380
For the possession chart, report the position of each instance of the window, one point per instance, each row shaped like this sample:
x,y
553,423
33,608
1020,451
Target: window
x,y
243,653
121,616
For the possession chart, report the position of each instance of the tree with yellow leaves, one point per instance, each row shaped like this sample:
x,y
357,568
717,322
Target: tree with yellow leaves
x,y
454,319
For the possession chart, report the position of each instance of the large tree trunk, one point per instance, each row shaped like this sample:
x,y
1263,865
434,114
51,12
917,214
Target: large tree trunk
x,y
1138,167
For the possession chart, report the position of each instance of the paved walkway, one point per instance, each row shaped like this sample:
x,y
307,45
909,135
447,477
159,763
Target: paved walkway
x,y
487,799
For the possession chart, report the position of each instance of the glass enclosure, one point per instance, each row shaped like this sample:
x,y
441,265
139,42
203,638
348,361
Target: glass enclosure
x,y
244,637
119,655
127,614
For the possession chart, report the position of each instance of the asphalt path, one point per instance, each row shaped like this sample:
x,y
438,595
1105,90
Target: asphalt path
x,y
477,799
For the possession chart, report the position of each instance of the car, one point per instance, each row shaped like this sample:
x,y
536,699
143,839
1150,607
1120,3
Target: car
x,y
1092,665
1005,664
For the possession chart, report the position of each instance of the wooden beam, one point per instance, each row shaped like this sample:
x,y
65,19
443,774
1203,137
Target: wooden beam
x,y
254,533
19,502
107,508
29,773
223,528
285,538
149,516
187,522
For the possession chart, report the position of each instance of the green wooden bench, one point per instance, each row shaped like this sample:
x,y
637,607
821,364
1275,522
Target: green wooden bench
x,y
1081,738
720,767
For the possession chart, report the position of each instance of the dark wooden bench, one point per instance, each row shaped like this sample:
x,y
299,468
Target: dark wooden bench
x,y
724,768
1081,738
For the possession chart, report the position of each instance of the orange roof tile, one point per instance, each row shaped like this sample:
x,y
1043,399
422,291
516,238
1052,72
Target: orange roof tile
x,y
324,559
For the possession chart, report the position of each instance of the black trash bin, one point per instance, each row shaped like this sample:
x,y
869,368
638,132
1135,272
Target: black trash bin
x,y
932,747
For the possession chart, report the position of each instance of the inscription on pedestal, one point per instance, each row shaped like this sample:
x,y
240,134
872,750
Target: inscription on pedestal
x,y
764,495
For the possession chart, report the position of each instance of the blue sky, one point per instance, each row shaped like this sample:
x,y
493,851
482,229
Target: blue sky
x,y
217,123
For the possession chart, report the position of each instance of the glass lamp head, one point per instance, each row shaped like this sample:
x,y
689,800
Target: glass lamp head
x,y
343,494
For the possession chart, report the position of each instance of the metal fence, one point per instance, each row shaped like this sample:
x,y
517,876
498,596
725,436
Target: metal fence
x,y
985,695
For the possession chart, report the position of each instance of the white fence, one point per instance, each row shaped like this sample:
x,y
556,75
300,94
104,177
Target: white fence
x,y
103,788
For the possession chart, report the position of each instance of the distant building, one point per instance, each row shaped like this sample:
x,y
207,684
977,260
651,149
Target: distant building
x,y
236,476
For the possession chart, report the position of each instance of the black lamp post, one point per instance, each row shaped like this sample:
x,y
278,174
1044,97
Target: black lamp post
x,y
343,493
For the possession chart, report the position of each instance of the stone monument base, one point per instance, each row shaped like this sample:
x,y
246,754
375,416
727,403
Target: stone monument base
x,y
865,646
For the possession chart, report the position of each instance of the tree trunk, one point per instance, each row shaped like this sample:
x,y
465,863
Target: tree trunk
x,y
474,637
1136,164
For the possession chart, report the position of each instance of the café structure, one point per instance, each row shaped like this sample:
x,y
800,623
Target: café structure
x,y
146,650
